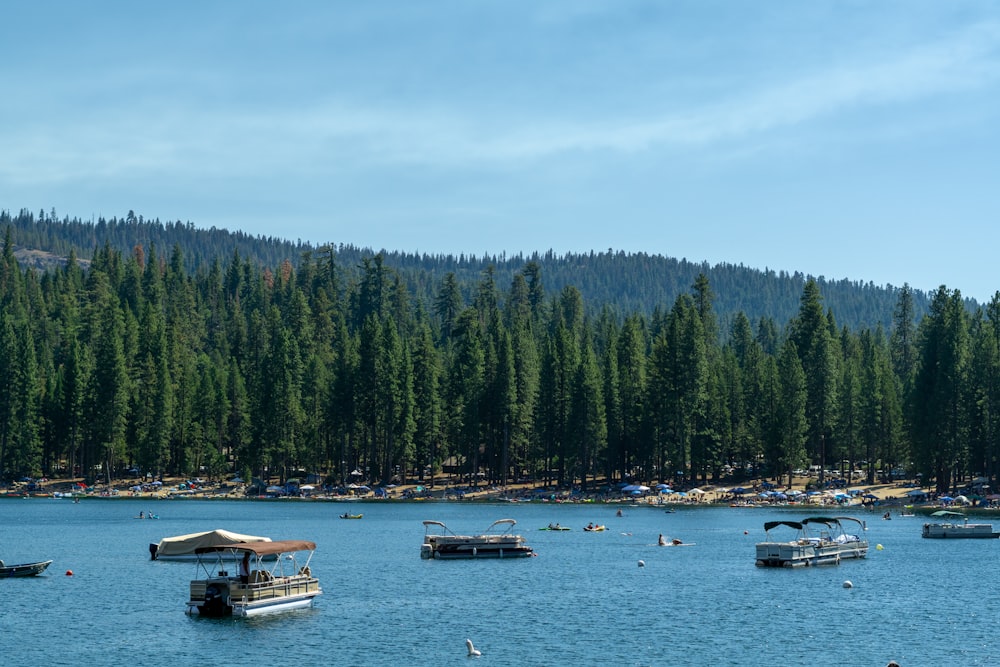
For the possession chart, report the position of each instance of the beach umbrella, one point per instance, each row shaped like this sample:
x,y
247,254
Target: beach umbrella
x,y
946,499
356,473
870,496
739,490
696,491
662,486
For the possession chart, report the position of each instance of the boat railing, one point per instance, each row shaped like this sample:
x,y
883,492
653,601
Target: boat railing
x,y
275,587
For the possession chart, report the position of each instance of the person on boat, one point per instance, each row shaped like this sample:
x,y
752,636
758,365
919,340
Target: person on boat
x,y
590,526
662,541
140,515
245,568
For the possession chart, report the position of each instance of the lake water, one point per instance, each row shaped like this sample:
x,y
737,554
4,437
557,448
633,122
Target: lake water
x,y
583,601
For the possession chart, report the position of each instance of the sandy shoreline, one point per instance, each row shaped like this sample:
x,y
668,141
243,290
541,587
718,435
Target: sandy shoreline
x,y
878,495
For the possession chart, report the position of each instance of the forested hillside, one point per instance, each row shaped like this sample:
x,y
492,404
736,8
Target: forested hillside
x,y
625,282
329,365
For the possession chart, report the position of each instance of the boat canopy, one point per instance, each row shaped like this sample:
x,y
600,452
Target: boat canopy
x,y
947,513
261,548
774,524
825,520
850,518
186,544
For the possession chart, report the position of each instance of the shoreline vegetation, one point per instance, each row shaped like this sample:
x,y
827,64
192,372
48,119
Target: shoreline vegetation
x,y
878,498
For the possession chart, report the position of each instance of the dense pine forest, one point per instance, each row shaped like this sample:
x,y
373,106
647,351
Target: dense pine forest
x,y
336,359
625,282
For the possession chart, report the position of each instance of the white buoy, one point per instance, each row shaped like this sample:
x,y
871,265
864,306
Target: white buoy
x,y
473,651
642,563
848,584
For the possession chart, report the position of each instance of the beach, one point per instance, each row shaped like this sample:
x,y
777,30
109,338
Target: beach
x,y
756,492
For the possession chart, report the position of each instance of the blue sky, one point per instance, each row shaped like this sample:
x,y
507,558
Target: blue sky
x,y
841,139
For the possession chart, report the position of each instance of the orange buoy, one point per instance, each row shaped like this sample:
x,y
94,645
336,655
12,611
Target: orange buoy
x,y
69,573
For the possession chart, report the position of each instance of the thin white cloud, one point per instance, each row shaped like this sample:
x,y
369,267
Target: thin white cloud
x,y
327,135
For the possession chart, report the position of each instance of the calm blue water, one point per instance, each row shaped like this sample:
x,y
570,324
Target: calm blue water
x,y
582,601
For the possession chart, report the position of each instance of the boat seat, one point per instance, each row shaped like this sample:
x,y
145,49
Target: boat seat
x,y
260,577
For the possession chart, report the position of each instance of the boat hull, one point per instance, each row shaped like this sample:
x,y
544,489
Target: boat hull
x,y
794,554
968,531
470,550
23,570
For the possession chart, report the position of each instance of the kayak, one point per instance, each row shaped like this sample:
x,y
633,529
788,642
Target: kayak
x,y
595,529
556,528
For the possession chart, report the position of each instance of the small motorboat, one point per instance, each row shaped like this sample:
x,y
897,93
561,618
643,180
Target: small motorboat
x,y
23,570
351,516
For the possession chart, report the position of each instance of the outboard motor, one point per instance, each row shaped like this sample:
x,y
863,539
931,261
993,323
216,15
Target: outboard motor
x,y
215,602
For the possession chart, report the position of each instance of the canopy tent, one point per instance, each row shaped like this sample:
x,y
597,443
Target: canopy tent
x,y
262,548
187,544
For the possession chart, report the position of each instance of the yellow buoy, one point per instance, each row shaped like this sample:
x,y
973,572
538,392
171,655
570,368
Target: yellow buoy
x,y
878,547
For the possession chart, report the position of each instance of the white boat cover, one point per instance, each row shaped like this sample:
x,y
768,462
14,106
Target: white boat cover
x,y
183,545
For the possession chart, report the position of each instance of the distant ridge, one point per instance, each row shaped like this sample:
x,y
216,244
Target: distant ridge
x,y
623,282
